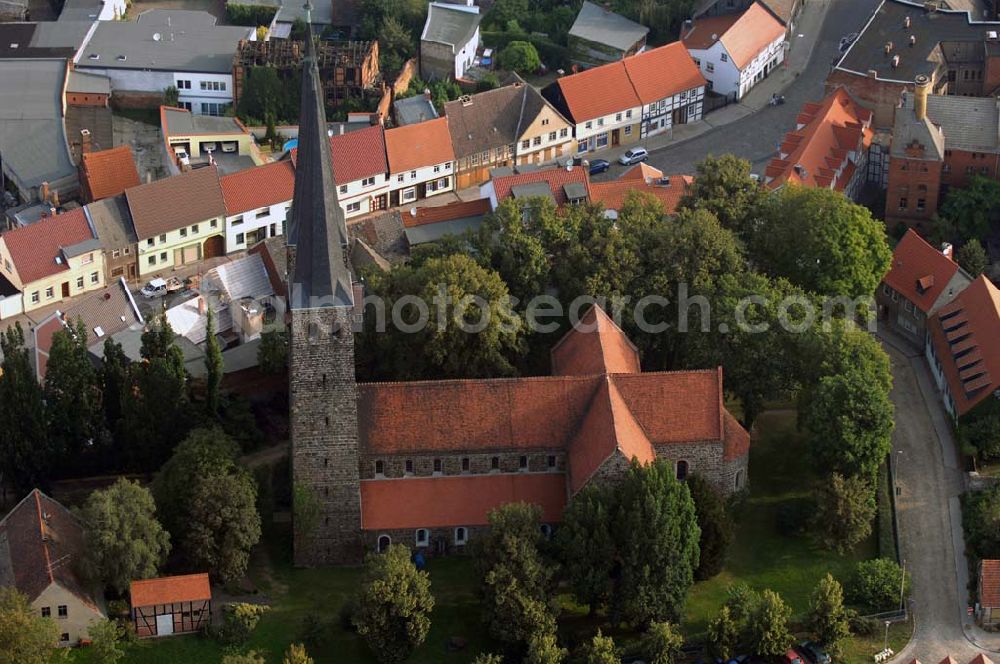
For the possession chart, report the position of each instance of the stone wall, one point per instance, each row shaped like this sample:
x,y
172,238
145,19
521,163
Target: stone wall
x,y
480,463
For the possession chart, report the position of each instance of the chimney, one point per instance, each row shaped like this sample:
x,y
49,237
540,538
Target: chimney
x,y
887,48
85,145
202,309
43,192
54,200
895,61
913,41
149,176
921,87
427,94
872,73
906,22
947,250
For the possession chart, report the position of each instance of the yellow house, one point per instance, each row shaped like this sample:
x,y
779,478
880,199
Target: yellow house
x,y
42,545
199,135
178,221
53,259
545,135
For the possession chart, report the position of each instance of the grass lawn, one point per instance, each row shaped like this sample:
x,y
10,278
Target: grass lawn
x,y
761,556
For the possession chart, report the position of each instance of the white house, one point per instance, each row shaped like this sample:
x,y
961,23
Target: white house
x,y
257,203
360,170
421,161
736,51
163,48
449,41
669,85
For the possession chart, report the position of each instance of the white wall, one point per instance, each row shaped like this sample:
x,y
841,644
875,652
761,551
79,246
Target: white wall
x,y
657,117
253,220
597,126
196,96
423,175
357,192
11,305
752,74
158,81
174,240
724,76
129,79
467,55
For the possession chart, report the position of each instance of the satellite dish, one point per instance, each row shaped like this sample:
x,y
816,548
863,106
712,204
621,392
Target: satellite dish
x,y
157,36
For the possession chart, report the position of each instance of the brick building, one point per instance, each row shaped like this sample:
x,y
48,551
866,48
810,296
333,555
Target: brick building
x,y
423,463
938,142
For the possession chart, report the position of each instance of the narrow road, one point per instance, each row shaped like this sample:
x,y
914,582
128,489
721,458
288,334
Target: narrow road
x,y
930,481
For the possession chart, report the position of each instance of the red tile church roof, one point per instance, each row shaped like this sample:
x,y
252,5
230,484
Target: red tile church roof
x,y
596,346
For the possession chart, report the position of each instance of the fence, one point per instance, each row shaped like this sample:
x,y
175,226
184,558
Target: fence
x,y
714,101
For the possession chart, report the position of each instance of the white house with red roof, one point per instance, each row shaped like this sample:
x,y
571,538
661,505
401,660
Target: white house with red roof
x,y
53,259
257,203
361,170
669,85
736,51
421,161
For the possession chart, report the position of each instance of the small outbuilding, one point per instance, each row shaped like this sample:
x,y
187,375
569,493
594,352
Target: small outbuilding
x,y
171,605
989,593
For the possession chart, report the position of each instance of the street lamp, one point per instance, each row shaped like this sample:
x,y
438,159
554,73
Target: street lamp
x,y
902,585
885,644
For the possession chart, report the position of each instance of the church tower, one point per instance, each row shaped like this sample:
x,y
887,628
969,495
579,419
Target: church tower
x,y
322,389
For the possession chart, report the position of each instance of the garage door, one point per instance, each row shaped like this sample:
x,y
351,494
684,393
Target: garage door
x,y
191,254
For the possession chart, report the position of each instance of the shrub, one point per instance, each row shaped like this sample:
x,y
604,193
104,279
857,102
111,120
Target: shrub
x,y
239,622
875,585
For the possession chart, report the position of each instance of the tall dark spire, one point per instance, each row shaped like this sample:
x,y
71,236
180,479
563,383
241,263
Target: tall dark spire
x,y
317,229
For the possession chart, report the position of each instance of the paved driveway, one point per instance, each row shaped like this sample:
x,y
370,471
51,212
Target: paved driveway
x,y
931,481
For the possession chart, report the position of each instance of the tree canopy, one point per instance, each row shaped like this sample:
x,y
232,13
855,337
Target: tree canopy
x,y
519,56
25,637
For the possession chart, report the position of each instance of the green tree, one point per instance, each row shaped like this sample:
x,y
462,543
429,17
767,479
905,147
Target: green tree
x,y
123,540
250,657
657,543
845,252
662,643
715,525
272,353
723,635
394,604
72,395
470,329
543,648
741,600
601,650
827,617
513,246
115,382
296,654
25,455
969,211
262,96
223,524
108,638
25,637
487,658
768,625
876,584
395,44
724,187
171,96
586,544
845,511
239,620
519,56
213,367
973,257
981,431
489,81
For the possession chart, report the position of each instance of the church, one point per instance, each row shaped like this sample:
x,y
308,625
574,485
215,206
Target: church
x,y
423,463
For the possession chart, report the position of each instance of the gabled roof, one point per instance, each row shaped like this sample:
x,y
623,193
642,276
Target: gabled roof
x,y
815,153
594,346
108,172
174,202
356,154
596,24
258,187
597,92
667,189
112,222
663,72
966,337
449,24
434,214
37,250
417,145
548,181
989,583
457,500
170,589
493,118
743,35
41,543
921,273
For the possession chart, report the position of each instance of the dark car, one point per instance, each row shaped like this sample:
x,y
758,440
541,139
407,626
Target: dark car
x,y
813,653
599,166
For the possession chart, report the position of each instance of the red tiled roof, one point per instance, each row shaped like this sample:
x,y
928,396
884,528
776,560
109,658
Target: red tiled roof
x,y
258,187
597,92
460,500
676,406
737,442
356,155
612,194
34,248
170,589
417,145
816,153
595,346
919,272
663,72
966,337
556,178
981,659
436,213
746,36
989,583
171,203
641,171
108,172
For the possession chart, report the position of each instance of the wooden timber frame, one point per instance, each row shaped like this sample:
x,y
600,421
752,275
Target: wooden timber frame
x,y
188,617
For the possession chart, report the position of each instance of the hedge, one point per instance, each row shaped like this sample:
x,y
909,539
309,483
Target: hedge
x,y
886,532
250,15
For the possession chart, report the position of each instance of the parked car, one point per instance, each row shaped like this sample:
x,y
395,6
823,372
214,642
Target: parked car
x,y
792,656
634,156
229,146
209,147
182,156
159,287
599,166
812,652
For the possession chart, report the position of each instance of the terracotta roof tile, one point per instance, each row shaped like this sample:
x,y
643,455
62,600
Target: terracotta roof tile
x,y
737,441
989,582
663,72
555,178
258,187
170,589
597,92
596,345
34,248
676,406
467,500
108,172
417,145
358,154
745,37
174,202
966,338
433,214
914,262
612,194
